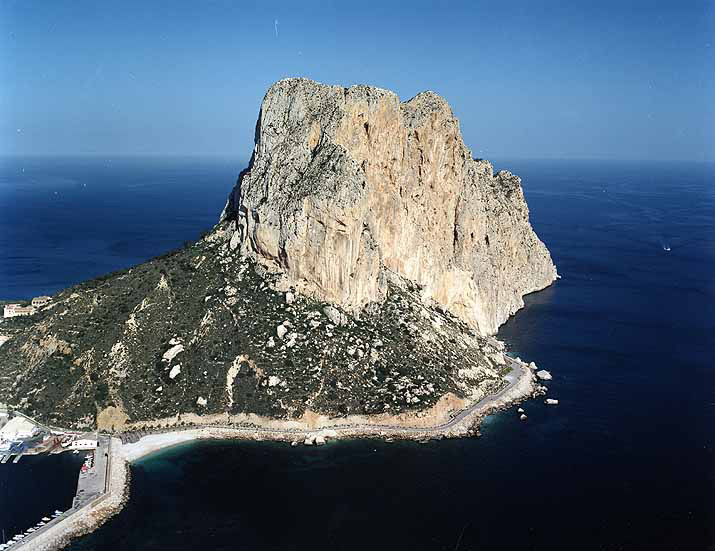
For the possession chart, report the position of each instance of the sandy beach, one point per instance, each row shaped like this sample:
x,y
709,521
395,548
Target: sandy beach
x,y
521,384
153,443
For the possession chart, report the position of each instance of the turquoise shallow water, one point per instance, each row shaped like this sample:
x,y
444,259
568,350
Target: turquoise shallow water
x,y
625,461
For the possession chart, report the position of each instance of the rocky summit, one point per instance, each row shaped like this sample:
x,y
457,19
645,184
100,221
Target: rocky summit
x,y
360,264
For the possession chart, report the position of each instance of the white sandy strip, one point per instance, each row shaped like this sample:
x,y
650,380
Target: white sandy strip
x,y
458,426
155,442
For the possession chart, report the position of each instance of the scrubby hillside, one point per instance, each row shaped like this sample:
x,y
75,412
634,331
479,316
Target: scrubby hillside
x,y
199,331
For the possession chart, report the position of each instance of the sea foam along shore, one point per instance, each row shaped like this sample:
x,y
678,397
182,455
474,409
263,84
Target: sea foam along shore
x,y
521,384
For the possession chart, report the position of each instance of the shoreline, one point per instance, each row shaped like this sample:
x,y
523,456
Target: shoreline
x,y
521,384
463,423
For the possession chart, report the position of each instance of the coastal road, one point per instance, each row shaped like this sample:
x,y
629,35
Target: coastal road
x,y
518,370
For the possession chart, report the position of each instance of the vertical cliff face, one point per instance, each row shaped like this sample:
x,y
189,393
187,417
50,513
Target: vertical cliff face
x,y
348,185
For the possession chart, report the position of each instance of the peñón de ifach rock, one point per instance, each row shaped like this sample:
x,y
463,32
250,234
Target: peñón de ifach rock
x,y
349,184
400,253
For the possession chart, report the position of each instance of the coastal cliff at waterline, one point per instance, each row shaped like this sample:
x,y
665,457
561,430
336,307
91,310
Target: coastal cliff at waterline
x,y
360,264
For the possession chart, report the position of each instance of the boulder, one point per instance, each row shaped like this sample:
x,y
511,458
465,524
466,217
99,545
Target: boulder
x,y
281,331
235,240
551,401
522,417
544,375
334,315
172,352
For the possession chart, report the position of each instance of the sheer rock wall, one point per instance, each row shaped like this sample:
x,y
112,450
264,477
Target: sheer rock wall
x,y
347,185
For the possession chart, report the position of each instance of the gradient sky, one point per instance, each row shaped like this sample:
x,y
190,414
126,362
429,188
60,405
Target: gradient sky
x,y
614,80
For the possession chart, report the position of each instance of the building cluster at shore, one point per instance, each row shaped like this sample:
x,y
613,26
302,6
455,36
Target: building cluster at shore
x,y
16,309
19,435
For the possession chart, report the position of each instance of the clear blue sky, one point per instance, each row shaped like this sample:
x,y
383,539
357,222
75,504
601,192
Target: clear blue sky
x,y
620,80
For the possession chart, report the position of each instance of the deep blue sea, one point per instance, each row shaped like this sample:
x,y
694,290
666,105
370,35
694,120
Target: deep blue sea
x,y
624,462
65,220
34,488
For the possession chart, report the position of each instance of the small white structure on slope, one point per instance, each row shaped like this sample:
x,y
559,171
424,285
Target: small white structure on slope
x,y
39,302
14,310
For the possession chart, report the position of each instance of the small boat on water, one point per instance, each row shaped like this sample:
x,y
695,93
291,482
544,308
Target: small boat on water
x,y
45,519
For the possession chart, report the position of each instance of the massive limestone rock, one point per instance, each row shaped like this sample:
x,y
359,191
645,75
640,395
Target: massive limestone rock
x,y
368,213
347,185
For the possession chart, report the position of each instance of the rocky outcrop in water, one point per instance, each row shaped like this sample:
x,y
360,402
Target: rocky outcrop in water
x,y
347,185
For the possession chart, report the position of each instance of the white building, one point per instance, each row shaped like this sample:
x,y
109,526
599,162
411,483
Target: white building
x,y
38,302
18,428
13,310
84,444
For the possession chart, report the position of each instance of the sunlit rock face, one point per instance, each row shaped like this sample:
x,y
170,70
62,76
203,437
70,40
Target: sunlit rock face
x,y
348,185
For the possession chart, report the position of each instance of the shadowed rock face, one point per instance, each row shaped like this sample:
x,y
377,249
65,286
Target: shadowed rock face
x,y
347,185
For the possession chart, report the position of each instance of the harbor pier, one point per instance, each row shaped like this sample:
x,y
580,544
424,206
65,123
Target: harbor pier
x,y
100,492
